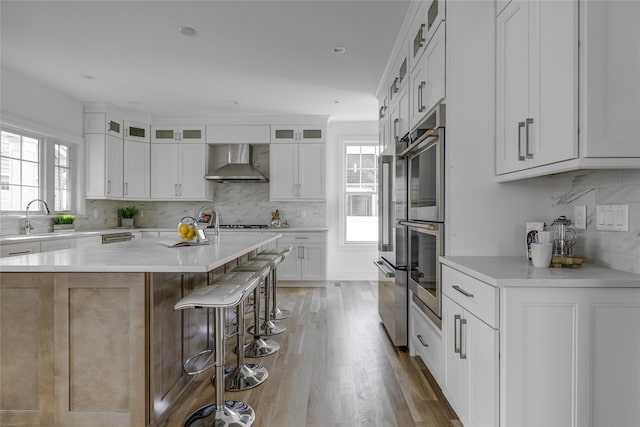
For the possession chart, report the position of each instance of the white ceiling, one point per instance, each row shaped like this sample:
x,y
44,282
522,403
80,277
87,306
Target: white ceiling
x,y
271,57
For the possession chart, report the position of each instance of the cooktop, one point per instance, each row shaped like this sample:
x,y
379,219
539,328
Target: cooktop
x,y
243,226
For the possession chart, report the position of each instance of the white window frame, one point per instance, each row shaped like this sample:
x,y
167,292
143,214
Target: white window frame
x,y
46,157
344,141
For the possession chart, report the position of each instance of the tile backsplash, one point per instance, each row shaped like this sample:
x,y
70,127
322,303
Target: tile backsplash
x,y
614,249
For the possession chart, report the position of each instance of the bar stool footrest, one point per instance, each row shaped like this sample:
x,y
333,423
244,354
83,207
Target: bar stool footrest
x,y
199,362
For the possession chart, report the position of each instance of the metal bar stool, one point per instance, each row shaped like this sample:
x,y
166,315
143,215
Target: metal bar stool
x,y
268,327
228,291
276,312
258,346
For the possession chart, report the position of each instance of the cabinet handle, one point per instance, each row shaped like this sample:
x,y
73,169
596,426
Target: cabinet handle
x,y
108,186
422,341
421,106
21,252
462,291
456,319
175,190
395,129
300,252
421,39
126,188
394,86
463,352
381,113
180,188
526,138
520,156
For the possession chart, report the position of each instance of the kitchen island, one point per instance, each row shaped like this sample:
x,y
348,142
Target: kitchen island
x,y
89,337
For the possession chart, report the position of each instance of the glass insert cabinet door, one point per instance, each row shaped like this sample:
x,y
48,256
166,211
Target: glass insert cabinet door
x,y
297,133
136,131
173,134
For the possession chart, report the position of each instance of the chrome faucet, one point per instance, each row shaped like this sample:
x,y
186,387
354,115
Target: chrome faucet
x,y
27,223
216,222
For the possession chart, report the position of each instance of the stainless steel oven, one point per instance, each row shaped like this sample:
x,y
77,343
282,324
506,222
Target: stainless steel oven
x,y
426,178
425,245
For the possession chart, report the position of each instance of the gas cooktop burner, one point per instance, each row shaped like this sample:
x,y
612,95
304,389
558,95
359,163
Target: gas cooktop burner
x,y
242,226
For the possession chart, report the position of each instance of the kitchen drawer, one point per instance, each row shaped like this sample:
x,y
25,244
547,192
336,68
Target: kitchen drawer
x,y
425,340
472,294
296,239
15,249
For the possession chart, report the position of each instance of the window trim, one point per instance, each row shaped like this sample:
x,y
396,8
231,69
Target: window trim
x,y
342,223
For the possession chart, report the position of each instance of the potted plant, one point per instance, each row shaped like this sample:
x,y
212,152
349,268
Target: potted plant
x,y
126,215
63,222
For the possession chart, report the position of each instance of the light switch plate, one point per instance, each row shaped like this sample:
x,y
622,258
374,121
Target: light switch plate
x,y
580,217
612,217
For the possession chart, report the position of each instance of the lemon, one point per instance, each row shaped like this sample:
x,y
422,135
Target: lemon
x,y
191,234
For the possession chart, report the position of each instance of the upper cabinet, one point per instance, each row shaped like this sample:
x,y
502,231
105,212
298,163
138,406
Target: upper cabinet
x,y
103,123
104,166
173,134
297,172
428,78
136,170
554,66
428,17
178,170
135,131
238,134
298,133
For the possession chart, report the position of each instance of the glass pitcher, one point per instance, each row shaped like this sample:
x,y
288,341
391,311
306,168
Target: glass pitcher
x,y
564,236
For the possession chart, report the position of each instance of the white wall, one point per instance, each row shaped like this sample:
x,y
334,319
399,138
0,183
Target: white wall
x,y
30,105
345,262
482,217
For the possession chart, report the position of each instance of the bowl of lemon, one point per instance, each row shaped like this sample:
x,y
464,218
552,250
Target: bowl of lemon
x,y
187,228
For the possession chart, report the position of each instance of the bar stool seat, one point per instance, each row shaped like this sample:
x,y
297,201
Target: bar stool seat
x,y
258,346
228,291
268,327
276,312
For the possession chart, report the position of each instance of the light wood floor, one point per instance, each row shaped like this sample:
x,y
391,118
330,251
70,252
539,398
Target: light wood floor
x,y
336,367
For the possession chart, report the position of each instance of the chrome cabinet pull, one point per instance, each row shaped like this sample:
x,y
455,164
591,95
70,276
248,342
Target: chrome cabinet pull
x,y
520,156
422,341
175,190
126,188
395,129
108,186
456,319
463,352
394,86
526,138
21,252
462,291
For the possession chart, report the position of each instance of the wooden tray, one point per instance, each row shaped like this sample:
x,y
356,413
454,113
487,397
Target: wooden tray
x,y
559,261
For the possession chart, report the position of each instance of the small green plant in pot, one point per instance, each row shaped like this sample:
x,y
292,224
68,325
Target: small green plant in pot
x,y
126,215
63,222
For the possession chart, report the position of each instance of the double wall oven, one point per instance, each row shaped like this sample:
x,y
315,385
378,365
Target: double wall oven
x,y
425,156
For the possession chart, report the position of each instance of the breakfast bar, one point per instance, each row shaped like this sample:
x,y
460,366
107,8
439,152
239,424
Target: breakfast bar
x,y
89,336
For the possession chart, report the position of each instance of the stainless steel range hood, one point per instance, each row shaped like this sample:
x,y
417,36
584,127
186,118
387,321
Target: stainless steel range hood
x,y
238,167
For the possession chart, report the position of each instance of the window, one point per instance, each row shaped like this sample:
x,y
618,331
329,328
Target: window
x,y
361,192
20,170
33,167
62,177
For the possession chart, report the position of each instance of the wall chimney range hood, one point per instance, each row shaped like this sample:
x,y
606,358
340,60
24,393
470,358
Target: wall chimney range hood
x,y
238,167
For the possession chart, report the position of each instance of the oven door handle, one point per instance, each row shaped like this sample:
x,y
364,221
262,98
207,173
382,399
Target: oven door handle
x,y
384,269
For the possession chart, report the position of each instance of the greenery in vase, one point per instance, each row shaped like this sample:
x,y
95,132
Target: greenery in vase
x,y
127,212
63,219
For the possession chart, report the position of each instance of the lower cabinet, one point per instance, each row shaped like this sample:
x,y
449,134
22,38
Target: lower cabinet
x,y
425,341
15,249
308,259
471,365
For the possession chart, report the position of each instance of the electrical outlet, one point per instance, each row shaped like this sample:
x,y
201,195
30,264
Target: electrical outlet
x,y
96,214
141,213
580,217
612,217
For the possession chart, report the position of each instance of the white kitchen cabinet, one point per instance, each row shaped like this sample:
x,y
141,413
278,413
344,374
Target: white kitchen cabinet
x,y
15,249
136,170
471,365
428,78
297,172
104,166
308,259
298,133
429,15
178,170
425,341
383,120
57,244
537,84
573,351
238,134
105,123
400,115
136,131
174,134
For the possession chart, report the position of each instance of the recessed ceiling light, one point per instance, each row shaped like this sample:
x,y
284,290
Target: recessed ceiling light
x,y
339,50
335,101
233,102
187,31
88,77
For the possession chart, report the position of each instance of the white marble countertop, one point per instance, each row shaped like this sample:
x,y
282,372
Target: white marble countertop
x,y
517,271
142,256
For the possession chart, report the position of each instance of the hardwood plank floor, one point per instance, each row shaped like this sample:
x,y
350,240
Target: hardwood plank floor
x,y
336,367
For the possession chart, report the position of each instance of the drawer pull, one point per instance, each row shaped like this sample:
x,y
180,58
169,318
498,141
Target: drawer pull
x,y
462,291
21,252
422,341
456,319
